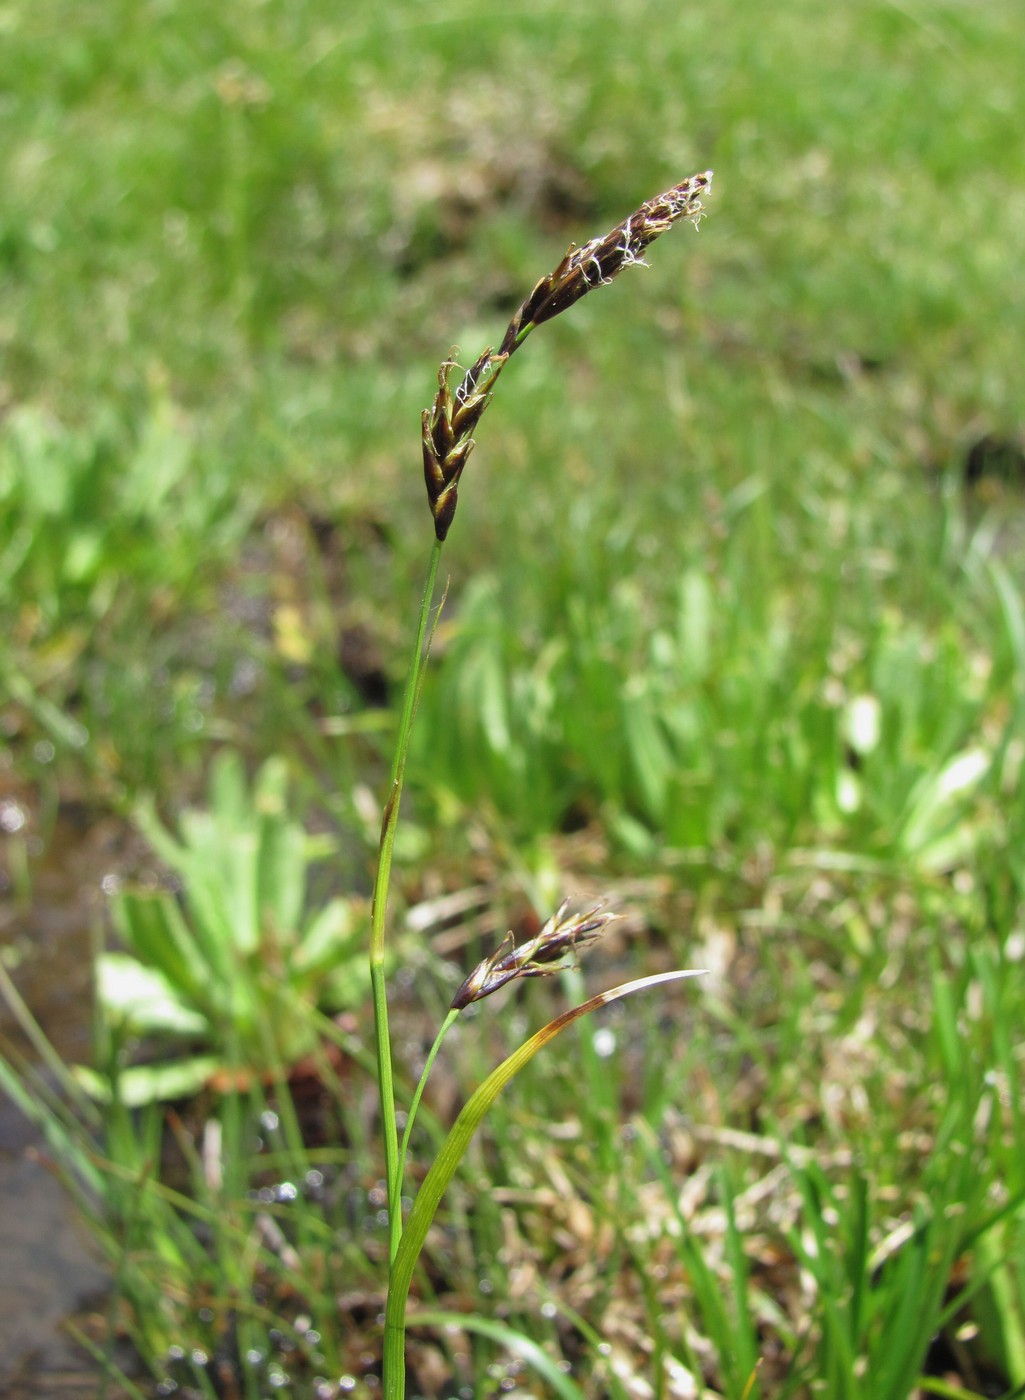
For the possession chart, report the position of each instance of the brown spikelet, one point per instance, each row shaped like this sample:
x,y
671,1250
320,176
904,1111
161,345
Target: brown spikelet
x,y
447,426
602,259
448,423
545,953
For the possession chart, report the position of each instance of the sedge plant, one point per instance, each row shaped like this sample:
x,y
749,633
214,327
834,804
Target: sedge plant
x,y
447,438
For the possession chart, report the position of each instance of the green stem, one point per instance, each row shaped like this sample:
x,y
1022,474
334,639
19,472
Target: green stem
x,y
446,1027
379,909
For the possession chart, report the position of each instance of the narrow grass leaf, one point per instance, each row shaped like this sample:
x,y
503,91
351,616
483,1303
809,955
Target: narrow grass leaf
x,y
472,1115
746,1345
515,1342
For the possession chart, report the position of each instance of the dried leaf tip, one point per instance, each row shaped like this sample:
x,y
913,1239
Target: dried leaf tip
x,y
549,951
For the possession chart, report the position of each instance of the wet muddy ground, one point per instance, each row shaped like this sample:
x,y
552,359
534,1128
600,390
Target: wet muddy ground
x,y
51,904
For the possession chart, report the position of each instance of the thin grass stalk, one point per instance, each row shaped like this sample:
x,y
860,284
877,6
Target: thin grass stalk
x,y
133,1215
418,1095
98,1353
379,909
85,1110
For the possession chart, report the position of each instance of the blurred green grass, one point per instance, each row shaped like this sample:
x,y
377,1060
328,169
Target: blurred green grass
x,y
719,588
255,233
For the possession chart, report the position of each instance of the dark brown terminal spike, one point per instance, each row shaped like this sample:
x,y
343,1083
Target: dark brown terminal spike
x,y
448,423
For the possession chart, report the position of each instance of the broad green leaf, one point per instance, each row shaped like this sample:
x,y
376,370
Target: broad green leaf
x,y
160,461
143,997
652,760
152,927
145,1084
333,935
281,875
938,799
694,626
